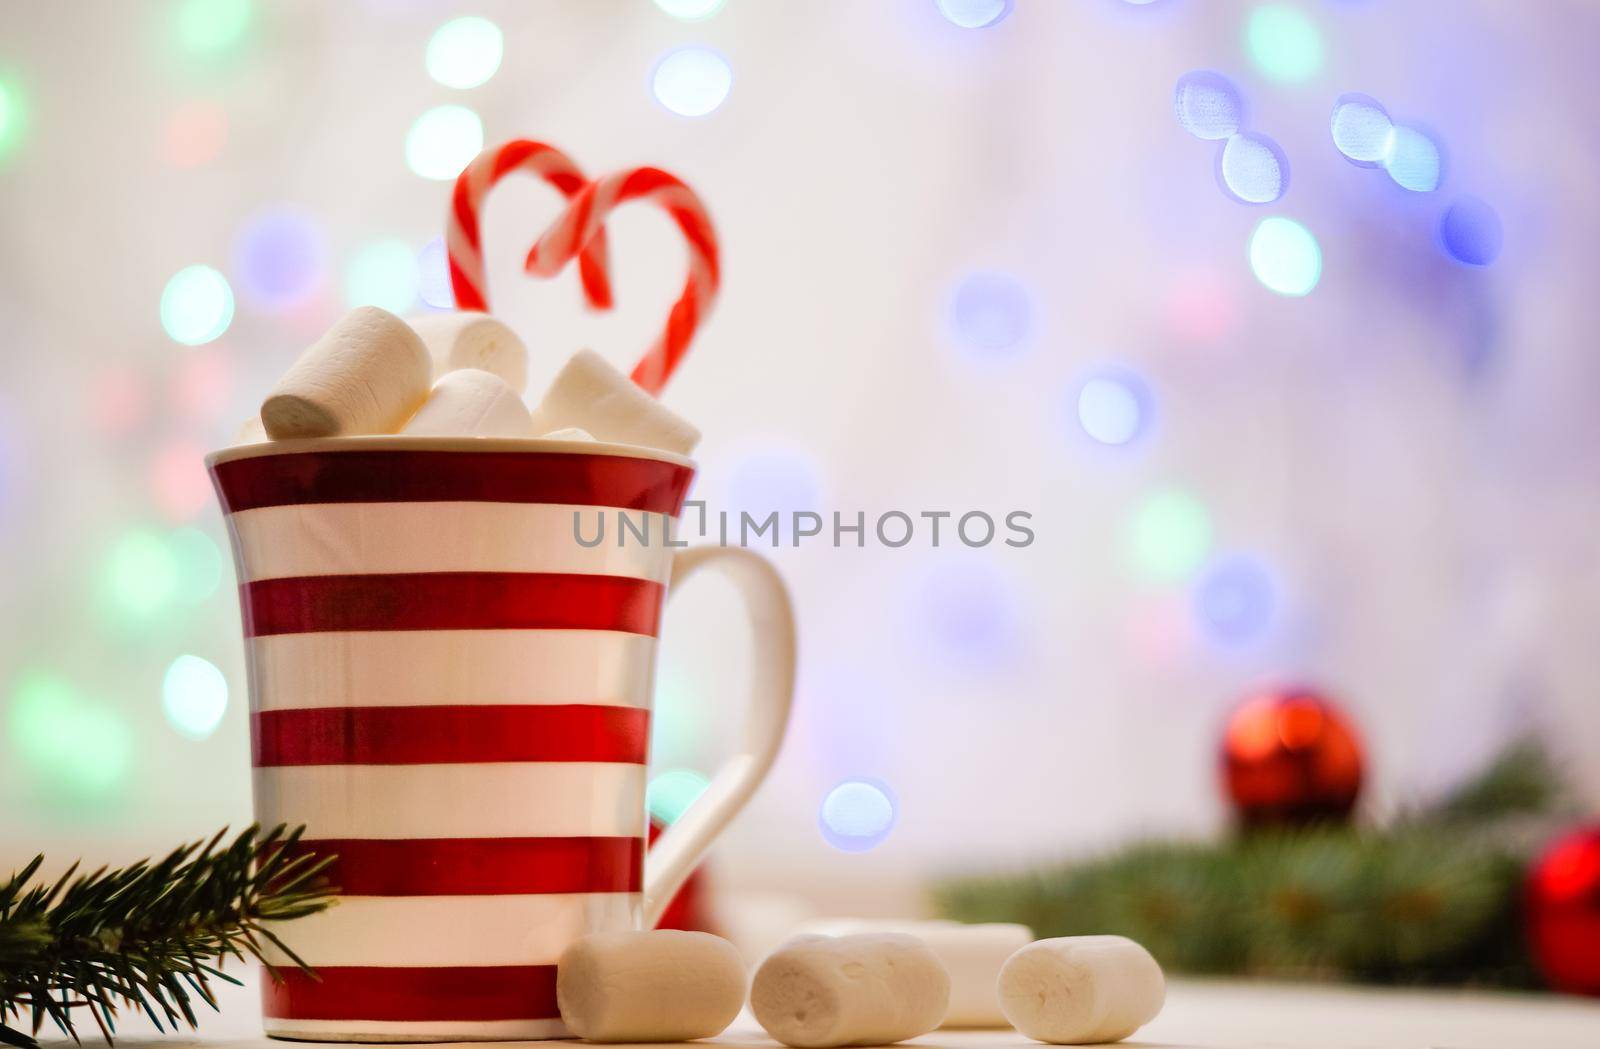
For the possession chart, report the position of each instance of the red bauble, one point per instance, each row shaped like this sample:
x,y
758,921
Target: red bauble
x,y
1290,756
1563,907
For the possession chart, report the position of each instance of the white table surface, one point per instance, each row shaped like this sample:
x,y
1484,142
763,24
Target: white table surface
x,y
1198,1015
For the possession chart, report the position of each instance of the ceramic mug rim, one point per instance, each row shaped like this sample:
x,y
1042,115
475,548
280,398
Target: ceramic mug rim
x,y
408,443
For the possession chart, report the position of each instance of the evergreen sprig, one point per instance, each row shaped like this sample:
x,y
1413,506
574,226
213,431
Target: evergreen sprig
x,y
1432,898
150,935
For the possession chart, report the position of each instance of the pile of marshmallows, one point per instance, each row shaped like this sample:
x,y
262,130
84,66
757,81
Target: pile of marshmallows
x,y
454,375
860,987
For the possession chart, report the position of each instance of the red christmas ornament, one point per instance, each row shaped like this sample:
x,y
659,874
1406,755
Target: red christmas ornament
x,y
1290,756
1563,912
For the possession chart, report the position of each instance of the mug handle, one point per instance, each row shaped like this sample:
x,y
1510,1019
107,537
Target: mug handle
x,y
674,854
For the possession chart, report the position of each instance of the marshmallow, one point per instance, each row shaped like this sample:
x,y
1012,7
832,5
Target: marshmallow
x,y
251,432
470,403
971,954
659,986
818,991
367,374
1079,989
473,340
571,433
592,395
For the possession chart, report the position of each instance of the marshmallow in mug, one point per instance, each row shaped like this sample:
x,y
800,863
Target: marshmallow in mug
x,y
470,403
664,985
971,954
591,395
473,340
817,992
1076,990
367,374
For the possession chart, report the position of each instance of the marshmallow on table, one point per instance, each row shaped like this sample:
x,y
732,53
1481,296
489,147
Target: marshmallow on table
x,y
591,395
823,991
470,403
971,954
658,986
367,374
1081,989
473,340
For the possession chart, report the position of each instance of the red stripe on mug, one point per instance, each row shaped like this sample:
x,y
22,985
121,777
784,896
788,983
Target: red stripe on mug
x,y
443,735
418,993
479,866
451,601
390,476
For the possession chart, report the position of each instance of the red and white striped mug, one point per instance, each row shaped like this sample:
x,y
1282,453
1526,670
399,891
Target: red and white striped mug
x,y
453,694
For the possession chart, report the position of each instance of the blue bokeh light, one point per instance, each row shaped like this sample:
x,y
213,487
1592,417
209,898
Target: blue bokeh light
x,y
1114,406
1236,600
975,14
1470,232
280,258
771,479
857,815
1252,169
1413,160
965,615
1361,129
1285,256
991,313
1208,105
433,276
692,81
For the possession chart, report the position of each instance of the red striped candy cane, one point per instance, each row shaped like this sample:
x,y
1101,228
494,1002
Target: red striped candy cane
x,y
583,223
464,240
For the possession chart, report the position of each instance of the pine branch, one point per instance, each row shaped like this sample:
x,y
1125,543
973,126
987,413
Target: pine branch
x,y
151,935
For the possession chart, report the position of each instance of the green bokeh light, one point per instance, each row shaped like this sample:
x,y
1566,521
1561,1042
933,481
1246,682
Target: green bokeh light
x,y
194,696
213,27
196,305
1169,536
1285,256
199,564
442,141
672,792
1283,43
465,52
13,118
383,273
83,750
142,576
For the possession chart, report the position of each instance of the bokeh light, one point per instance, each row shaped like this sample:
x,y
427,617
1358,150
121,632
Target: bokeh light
x,y
775,478
1361,129
465,52
975,14
194,696
201,384
141,576
1235,600
433,276
691,10
442,141
1169,536
1285,257
195,133
1413,160
383,273
83,749
672,792
178,480
13,118
1283,43
1208,105
1114,406
213,27
280,258
965,614
196,305
118,400
1470,232
1252,168
857,815
197,565
991,313
692,81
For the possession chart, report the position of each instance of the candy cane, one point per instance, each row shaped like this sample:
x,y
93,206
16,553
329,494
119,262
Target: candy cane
x,y
583,223
464,241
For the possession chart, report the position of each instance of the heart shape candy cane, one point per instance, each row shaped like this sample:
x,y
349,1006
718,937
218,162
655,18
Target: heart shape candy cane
x,y
580,232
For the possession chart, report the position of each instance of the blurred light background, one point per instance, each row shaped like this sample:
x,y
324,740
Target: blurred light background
x,y
1341,428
